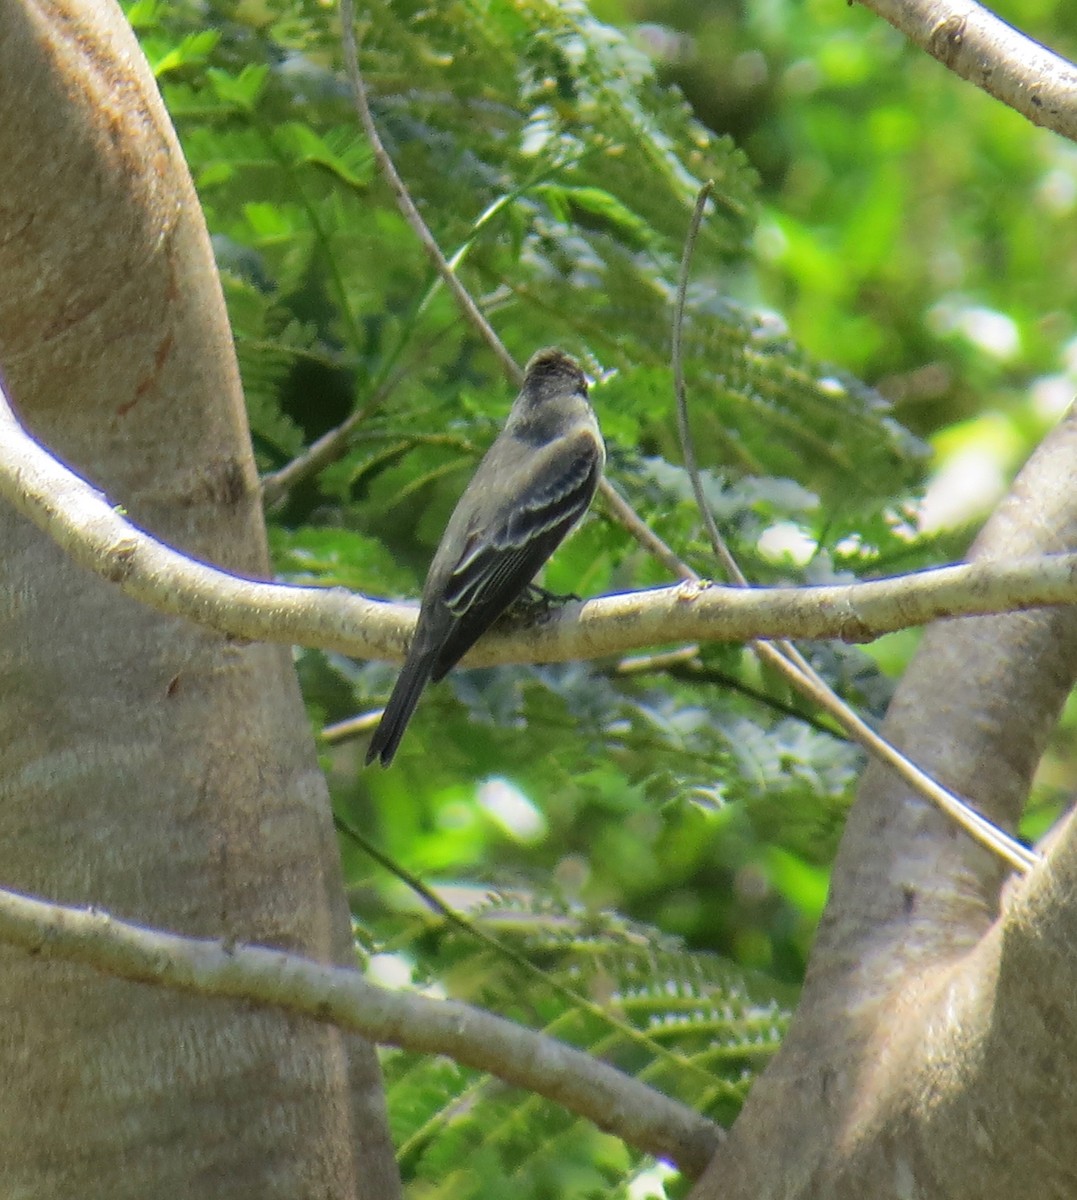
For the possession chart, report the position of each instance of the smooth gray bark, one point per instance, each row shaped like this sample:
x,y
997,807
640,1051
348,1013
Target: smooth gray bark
x,y
146,765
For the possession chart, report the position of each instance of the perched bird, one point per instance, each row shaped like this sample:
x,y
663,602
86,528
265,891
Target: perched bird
x,y
531,488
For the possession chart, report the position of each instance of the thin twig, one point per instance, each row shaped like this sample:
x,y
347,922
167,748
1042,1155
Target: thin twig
x,y
618,507
684,664
785,657
335,443
353,727
664,660
977,826
324,450
630,520
411,214
687,445
578,1001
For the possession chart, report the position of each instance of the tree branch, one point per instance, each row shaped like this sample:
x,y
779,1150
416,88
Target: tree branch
x,y
331,446
615,1102
95,534
985,50
787,658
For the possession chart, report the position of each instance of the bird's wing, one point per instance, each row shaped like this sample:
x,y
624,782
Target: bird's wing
x,y
498,564
507,557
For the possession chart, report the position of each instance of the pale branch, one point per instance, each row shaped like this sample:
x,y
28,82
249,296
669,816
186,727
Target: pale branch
x,y
680,394
338,996
982,48
94,533
662,660
636,527
977,826
358,726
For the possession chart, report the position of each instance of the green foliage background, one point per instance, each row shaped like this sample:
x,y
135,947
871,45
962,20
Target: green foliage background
x,y
656,842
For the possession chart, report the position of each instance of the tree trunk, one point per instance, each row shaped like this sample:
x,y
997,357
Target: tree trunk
x,y
932,1051
147,766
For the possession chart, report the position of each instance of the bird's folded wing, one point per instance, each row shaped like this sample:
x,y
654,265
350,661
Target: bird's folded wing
x,y
502,561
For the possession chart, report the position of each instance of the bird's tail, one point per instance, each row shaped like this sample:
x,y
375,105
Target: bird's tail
x,y
394,720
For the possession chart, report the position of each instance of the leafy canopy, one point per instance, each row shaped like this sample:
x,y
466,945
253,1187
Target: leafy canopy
x,y
699,799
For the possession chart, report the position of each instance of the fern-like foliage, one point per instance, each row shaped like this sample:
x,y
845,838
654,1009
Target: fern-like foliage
x,y
535,138
691,1025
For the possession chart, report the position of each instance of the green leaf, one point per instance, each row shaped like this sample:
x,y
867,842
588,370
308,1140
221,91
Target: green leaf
x,y
340,151
596,209
242,90
193,50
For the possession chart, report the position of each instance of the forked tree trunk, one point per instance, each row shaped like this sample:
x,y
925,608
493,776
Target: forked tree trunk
x,y
147,766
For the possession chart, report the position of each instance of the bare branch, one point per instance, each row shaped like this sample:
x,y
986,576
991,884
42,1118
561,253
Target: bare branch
x,y
332,445
352,727
721,550
95,534
627,517
985,50
542,979
615,1102
786,658
411,214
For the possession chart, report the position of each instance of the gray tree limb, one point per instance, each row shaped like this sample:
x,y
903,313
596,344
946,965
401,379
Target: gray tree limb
x,y
982,48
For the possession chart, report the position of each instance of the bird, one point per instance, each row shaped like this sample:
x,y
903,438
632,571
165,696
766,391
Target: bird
x,y
529,491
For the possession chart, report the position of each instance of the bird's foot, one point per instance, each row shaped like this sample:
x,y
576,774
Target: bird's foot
x,y
536,602
539,595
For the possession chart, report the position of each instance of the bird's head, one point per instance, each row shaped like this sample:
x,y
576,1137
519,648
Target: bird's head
x,y
551,372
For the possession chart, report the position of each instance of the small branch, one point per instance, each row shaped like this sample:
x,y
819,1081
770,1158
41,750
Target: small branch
x,y
353,727
699,674
978,827
684,664
721,550
411,214
338,996
326,449
627,517
664,660
980,47
541,978
784,657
